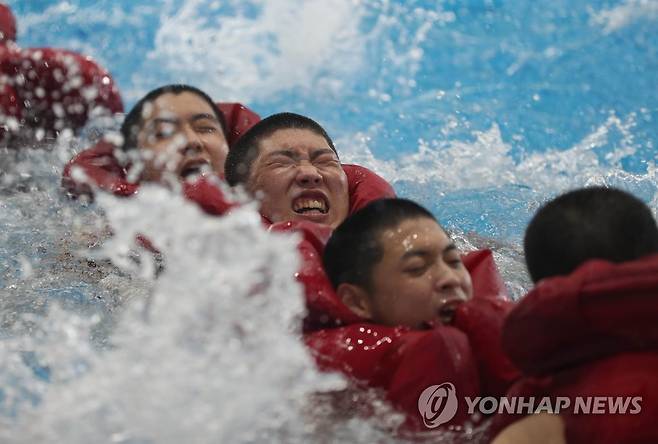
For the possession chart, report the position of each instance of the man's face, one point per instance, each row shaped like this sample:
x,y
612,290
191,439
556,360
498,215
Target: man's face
x,y
420,279
300,178
181,135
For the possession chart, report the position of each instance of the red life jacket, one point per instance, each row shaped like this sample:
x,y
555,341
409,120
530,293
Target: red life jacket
x,y
592,333
46,90
401,361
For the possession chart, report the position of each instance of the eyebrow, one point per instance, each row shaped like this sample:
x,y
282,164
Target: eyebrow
x,y
294,155
159,120
287,153
317,153
176,120
424,252
202,116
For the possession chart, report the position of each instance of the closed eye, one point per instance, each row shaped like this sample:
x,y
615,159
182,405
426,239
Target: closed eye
x,y
164,134
415,267
453,259
280,161
327,162
416,271
327,158
164,131
206,129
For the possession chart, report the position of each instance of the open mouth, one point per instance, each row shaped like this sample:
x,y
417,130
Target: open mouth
x,y
310,205
446,314
194,168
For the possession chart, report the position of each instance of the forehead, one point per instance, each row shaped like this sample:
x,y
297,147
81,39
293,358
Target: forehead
x,y
170,105
410,234
297,140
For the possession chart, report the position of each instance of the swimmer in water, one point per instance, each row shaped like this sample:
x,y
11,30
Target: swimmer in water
x,y
415,319
397,266
588,327
291,161
178,131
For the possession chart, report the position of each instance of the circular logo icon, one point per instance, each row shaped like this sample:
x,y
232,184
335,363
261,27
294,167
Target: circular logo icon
x,y
438,404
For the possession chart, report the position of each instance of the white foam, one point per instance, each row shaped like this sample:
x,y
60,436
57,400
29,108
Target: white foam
x,y
211,354
284,45
486,160
625,14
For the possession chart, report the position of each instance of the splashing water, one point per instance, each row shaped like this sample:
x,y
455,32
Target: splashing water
x,y
216,356
480,110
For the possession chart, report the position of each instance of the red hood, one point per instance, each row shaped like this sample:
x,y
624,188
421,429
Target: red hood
x,y
326,310
238,119
7,24
600,309
364,186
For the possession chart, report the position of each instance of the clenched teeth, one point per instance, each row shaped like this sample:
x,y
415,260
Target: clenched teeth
x,y
302,205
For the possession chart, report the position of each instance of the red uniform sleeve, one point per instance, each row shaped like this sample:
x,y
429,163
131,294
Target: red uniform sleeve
x,y
487,282
482,319
323,307
401,362
206,193
101,169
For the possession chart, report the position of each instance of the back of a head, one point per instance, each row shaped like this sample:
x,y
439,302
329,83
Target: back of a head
x,y
132,123
589,223
355,248
245,151
7,24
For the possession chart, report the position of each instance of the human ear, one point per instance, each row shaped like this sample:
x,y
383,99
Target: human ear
x,y
356,299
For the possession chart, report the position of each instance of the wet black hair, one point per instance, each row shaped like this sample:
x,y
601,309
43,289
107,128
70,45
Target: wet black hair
x,y
588,223
242,155
132,123
355,246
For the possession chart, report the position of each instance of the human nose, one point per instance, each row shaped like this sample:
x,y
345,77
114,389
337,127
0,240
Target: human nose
x,y
446,278
192,143
308,175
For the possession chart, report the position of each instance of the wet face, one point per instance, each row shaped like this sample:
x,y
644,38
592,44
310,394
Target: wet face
x,y
300,178
420,279
180,135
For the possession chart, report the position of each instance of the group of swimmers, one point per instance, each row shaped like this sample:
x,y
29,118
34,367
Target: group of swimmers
x,y
391,301
394,305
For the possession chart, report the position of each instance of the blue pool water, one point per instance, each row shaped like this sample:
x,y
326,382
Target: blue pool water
x,y
479,109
